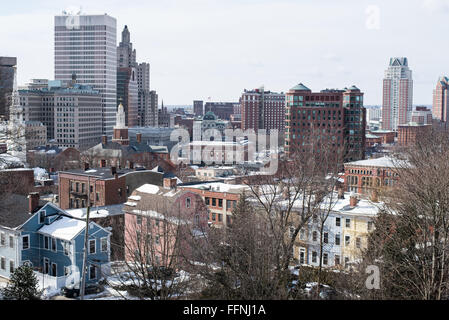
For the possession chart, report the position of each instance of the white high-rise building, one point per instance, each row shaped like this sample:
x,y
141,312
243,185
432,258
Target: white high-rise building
x,y
86,45
397,104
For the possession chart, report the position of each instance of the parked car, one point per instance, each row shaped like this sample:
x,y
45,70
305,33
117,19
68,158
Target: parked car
x,y
326,292
75,292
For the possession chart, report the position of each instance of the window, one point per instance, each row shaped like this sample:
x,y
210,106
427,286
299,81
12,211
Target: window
x,y
358,242
92,272
25,242
326,237
214,202
46,266
3,263
220,217
338,222
314,236
11,241
46,243
302,255
207,201
197,220
3,239
54,270
92,246
157,239
220,203
370,225
325,258
214,217
314,255
42,216
139,220
11,266
53,244
346,260
337,259
97,197
347,240
188,202
337,239
66,246
104,244
348,223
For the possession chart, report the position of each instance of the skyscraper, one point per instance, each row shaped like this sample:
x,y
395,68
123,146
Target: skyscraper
x,y
126,58
397,102
7,74
441,100
85,45
198,108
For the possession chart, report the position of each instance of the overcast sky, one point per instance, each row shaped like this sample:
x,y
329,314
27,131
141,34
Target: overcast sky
x,y
217,48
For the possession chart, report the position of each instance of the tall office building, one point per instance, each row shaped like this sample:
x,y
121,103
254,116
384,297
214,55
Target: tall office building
x,y
71,112
152,113
86,45
127,94
127,58
330,116
198,108
7,74
397,102
441,100
262,109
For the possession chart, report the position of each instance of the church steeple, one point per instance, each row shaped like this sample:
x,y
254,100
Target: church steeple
x,y
120,129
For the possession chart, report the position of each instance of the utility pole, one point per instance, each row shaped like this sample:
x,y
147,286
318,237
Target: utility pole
x,y
86,237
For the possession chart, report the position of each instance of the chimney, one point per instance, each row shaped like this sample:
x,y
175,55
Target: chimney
x,y
113,170
86,166
104,139
131,165
33,201
139,138
353,200
170,183
103,163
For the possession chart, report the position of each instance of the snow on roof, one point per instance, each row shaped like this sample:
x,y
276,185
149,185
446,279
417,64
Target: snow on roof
x,y
149,188
64,228
97,212
131,204
219,187
135,198
386,162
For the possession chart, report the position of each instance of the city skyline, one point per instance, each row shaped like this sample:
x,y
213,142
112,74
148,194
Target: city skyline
x,y
214,45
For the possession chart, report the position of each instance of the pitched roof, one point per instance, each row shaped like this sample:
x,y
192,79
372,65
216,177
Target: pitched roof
x,y
300,87
14,210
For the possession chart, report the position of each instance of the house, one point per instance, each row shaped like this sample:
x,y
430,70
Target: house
x,y
52,243
15,210
161,221
220,198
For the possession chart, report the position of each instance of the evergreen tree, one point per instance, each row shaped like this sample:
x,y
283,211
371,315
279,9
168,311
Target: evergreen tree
x,y
23,285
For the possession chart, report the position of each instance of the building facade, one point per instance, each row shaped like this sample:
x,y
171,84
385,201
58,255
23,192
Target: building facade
x,y
7,74
397,101
262,109
441,100
198,108
85,45
222,110
335,118
71,112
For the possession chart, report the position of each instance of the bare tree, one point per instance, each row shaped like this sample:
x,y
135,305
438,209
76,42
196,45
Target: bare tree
x,y
410,243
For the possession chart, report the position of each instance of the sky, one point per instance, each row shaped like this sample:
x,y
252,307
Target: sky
x,y
217,48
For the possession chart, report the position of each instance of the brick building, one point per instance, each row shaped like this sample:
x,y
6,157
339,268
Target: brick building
x,y
441,100
387,136
101,186
220,198
331,116
365,176
262,109
223,110
408,133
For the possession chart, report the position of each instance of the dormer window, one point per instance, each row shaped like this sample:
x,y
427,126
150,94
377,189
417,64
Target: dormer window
x,y
42,216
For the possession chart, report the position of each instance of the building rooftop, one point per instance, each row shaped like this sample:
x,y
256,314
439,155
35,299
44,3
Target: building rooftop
x,y
102,173
14,210
386,162
300,87
97,212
